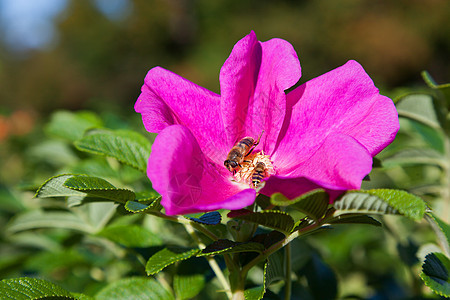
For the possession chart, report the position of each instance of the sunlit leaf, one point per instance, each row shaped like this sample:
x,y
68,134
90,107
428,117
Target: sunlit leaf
x,y
31,288
314,204
54,187
135,288
98,187
418,107
381,201
126,146
72,125
188,286
226,246
39,219
415,156
166,257
273,219
131,236
436,273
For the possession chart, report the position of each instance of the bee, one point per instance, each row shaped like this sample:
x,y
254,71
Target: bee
x,y
258,173
242,148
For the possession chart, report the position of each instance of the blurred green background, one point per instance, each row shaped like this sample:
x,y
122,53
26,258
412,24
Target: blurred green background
x,y
94,54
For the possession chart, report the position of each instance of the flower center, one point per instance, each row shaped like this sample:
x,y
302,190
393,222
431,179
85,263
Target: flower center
x,y
254,169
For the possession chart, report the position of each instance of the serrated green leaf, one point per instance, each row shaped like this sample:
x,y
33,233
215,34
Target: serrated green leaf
x,y
226,246
31,288
126,146
166,257
314,204
131,236
436,273
257,292
98,187
142,206
354,219
188,286
277,220
72,125
381,201
442,231
415,156
54,187
38,219
420,108
134,288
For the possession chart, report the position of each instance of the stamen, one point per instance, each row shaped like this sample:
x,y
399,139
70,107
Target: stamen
x,y
244,174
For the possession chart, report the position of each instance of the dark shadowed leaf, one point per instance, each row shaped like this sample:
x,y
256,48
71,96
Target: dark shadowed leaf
x,y
135,288
277,220
211,218
354,219
126,146
31,288
436,273
226,246
168,256
314,204
142,206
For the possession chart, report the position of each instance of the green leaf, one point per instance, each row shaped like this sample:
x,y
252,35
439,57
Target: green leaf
x,y
72,125
277,220
31,288
418,107
166,257
98,187
211,218
134,288
381,201
188,286
314,204
54,187
142,206
131,236
257,292
39,219
436,273
226,246
354,219
444,88
415,156
442,231
126,146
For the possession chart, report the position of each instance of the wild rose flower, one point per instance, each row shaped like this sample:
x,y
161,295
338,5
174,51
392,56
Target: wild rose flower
x,y
323,133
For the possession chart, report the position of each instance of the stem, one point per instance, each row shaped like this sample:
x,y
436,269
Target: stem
x,y
287,281
212,262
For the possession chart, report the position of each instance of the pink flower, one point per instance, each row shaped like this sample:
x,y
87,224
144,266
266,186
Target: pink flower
x,y
323,133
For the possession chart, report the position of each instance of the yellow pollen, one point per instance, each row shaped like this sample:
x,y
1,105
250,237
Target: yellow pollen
x,y
245,173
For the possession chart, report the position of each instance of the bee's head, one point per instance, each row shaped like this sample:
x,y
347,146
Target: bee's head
x,y
230,165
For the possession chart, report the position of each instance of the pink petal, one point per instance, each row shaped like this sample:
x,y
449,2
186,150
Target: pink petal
x,y
253,80
339,164
297,186
187,181
169,99
344,101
